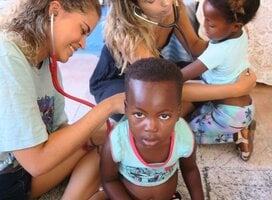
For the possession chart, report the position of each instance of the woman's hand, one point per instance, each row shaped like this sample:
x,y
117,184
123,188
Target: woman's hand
x,y
245,83
195,91
117,103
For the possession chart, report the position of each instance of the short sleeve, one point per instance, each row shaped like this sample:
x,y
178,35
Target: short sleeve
x,y
20,119
212,56
119,139
184,139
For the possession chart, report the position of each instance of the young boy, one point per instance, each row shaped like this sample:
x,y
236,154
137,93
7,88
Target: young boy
x,y
140,157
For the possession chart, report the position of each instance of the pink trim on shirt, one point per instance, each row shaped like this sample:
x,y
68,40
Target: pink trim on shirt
x,y
172,142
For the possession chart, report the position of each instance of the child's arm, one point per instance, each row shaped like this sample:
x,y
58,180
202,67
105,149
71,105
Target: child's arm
x,y
110,175
193,70
191,176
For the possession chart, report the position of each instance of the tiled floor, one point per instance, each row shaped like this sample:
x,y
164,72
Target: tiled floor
x,y
224,175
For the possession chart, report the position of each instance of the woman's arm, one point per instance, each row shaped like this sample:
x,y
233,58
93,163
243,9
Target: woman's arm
x,y
193,91
196,45
42,158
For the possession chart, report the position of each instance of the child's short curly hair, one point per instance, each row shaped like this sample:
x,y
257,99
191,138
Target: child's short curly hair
x,y
154,70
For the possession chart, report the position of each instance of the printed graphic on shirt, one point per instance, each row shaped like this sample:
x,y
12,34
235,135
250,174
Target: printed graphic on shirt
x,y
147,175
46,105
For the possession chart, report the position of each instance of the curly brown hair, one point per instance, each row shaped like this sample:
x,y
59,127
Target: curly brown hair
x,y
27,23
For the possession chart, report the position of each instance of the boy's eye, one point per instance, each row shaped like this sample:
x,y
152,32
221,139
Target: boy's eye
x,y
139,115
164,116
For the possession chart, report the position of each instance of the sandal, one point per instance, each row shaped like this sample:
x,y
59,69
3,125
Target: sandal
x,y
176,196
241,142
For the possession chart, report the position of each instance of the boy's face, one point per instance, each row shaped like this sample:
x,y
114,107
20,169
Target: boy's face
x,y
152,109
216,27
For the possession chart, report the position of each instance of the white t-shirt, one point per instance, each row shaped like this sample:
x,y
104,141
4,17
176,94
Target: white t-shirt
x,y
30,106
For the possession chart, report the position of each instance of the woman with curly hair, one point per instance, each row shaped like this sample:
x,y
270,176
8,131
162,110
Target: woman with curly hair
x,y
38,149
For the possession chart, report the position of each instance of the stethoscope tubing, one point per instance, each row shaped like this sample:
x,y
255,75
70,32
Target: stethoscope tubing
x,y
177,27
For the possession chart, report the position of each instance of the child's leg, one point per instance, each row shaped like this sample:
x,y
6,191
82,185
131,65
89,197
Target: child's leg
x,y
244,141
217,123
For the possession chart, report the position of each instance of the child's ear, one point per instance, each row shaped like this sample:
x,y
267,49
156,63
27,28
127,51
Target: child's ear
x,y
125,103
179,111
237,26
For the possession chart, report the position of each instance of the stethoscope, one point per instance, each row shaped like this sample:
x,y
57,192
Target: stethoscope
x,y
139,13
54,74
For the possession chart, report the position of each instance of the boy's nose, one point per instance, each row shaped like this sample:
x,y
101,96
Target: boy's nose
x,y
151,125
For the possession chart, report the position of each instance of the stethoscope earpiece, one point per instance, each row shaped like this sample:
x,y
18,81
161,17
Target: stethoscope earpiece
x,y
54,14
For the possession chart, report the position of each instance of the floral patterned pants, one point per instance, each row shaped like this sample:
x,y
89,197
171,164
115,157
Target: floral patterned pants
x,y
216,123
